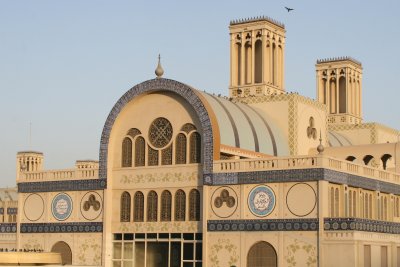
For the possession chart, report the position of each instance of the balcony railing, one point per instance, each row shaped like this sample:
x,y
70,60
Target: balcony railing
x,y
304,162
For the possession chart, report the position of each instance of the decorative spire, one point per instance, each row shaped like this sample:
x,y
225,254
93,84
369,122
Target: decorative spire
x,y
320,147
159,70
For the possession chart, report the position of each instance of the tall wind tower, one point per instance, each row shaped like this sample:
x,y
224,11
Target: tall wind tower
x,y
339,87
257,57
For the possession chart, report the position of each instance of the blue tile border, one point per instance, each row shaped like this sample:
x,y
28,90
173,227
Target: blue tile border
x,y
77,227
262,225
357,224
303,175
61,186
8,228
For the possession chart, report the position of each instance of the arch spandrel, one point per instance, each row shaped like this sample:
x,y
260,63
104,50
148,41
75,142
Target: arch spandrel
x,y
203,111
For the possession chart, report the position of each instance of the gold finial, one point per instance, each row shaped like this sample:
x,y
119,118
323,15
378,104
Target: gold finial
x,y
320,147
159,70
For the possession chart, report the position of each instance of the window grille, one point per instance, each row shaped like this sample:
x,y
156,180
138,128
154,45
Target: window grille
x,y
125,207
180,205
166,200
139,152
153,156
194,205
180,151
138,207
127,152
166,156
195,148
152,206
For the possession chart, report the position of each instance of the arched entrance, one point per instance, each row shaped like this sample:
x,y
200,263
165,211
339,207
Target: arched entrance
x,y
262,254
65,251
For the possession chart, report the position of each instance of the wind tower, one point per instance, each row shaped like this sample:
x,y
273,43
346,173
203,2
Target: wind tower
x,y
29,161
339,87
257,49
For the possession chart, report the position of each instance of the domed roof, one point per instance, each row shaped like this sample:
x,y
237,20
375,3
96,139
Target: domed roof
x,y
246,127
335,139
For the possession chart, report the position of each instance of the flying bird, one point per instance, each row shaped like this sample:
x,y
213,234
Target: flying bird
x,y
289,9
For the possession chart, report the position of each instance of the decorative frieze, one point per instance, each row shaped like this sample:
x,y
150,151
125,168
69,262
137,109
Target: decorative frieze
x,y
74,227
263,225
67,185
357,224
8,227
303,175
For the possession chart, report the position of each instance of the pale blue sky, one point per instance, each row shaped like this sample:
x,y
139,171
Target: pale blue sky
x,y
63,64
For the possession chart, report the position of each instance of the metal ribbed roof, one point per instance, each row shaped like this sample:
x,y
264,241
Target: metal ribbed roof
x,y
243,126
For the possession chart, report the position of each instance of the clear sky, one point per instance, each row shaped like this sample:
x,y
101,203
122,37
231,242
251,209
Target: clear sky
x,y
63,64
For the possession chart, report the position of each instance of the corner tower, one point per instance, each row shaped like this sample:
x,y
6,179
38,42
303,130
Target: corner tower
x,y
257,48
339,87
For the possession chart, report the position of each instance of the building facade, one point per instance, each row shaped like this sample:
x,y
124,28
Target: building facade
x,y
260,178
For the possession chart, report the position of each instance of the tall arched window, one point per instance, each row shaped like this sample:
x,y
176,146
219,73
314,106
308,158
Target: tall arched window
x,y
366,213
370,206
354,204
125,207
152,206
342,95
262,254
166,200
258,55
332,204
180,149
195,148
139,152
138,211
127,152
153,156
332,96
336,202
194,205
180,205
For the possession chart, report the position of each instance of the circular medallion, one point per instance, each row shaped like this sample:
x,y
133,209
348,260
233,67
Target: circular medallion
x,y
261,200
160,132
61,206
301,199
91,205
33,207
224,202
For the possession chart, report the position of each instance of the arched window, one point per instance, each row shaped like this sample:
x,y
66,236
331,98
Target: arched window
x,y
262,254
166,155
125,207
166,200
127,152
65,252
332,200
354,204
367,159
138,203
195,148
139,152
194,205
366,213
336,202
180,149
152,206
180,205
332,96
248,62
385,159
258,57
153,156
351,158
342,95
